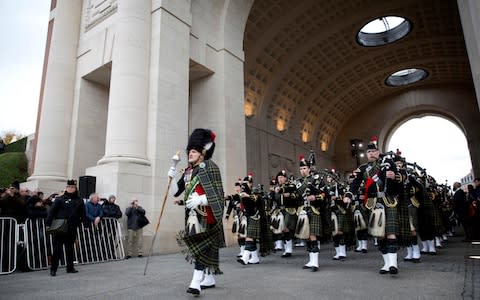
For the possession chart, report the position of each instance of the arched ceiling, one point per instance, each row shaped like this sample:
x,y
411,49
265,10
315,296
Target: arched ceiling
x,y
304,66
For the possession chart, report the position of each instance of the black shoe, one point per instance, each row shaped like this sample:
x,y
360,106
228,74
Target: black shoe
x,y
306,267
287,254
314,269
193,291
382,271
432,253
128,256
416,260
364,250
356,250
241,261
204,287
140,255
407,259
393,270
53,273
72,271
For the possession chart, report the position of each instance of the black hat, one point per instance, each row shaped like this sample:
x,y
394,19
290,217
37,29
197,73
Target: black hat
x,y
71,182
373,145
248,178
15,184
273,181
281,173
398,157
303,162
238,182
202,140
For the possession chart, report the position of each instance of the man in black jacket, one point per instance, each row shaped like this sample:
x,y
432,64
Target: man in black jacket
x,y
461,206
110,209
68,206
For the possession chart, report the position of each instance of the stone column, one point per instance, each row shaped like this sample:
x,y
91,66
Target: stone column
x,y
53,133
470,16
126,137
217,102
474,147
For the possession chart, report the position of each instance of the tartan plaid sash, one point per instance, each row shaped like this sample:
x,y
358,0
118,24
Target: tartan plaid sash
x,y
204,247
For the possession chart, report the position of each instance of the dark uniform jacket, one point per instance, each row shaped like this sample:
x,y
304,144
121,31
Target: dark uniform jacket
x,y
373,174
70,207
111,210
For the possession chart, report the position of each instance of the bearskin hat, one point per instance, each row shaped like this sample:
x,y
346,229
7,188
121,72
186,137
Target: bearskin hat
x,y
248,178
273,181
398,157
238,182
373,144
202,140
281,173
303,162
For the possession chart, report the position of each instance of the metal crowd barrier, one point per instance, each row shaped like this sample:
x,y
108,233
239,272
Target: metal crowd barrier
x,y
8,245
93,245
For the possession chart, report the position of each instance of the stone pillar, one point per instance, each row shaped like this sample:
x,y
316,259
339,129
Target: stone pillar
x,y
168,112
53,134
474,147
217,103
470,16
126,137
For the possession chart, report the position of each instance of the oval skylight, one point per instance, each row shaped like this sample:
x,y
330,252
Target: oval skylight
x,y
383,30
406,76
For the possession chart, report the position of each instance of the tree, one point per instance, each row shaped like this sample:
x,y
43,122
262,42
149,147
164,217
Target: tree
x,y
11,136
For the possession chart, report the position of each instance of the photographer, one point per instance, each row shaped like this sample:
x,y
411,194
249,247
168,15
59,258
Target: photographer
x,y
134,214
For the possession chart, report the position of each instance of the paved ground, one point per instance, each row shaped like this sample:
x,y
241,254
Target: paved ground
x,y
449,275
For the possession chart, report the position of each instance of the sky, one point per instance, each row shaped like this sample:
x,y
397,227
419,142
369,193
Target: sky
x,y
23,32
434,143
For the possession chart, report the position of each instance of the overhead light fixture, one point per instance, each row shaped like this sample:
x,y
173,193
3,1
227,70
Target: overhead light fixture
x,y
281,125
305,136
323,146
248,109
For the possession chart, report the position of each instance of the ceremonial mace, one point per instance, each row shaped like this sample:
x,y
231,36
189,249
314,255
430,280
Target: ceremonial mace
x,y
175,159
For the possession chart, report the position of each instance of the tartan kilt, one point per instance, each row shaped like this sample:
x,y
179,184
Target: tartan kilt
x,y
405,233
290,221
315,224
345,221
365,212
413,214
203,247
325,217
391,220
253,228
437,221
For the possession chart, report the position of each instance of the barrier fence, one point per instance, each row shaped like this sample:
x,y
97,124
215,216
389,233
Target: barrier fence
x,y
8,242
94,244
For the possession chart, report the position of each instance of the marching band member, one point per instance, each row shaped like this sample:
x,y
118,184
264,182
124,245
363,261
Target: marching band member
x,y
286,200
201,183
379,175
309,224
